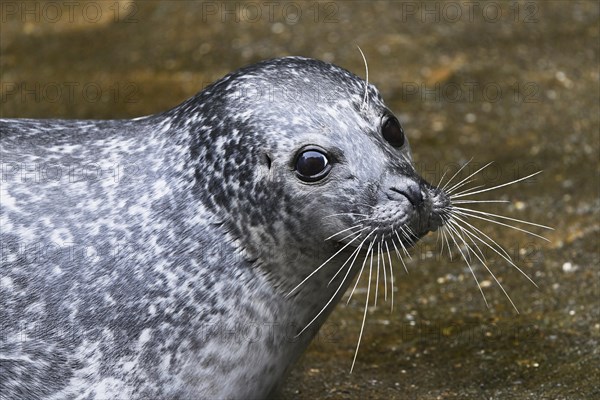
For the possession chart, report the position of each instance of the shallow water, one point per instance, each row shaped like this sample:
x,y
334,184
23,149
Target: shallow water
x,y
520,89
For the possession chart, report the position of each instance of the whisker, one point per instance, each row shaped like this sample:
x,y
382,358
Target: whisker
x,y
365,219
344,230
365,204
366,77
455,224
408,161
445,233
503,217
499,186
456,173
462,182
361,270
391,277
479,201
402,244
337,215
507,259
355,254
399,256
448,192
351,234
384,272
501,223
357,250
395,248
442,178
468,264
411,233
455,195
473,227
321,266
377,279
486,267
362,327
440,235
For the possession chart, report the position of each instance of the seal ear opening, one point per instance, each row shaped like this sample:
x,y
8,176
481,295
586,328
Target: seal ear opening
x,y
268,161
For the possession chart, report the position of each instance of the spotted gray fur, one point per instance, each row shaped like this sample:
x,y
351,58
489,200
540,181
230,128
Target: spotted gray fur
x,y
152,257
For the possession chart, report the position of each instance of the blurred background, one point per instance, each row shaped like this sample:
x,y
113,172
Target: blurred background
x,y
515,82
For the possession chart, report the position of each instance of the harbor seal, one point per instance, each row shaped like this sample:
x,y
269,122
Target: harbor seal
x,y
186,254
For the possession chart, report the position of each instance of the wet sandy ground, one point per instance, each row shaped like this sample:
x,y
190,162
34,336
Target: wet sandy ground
x,y
515,83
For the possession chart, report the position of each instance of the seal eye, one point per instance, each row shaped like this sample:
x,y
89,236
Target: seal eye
x,y
392,132
312,165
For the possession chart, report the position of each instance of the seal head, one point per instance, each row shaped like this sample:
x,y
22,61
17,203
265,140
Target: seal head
x,y
297,150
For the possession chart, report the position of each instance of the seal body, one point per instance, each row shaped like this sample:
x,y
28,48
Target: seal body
x,y
161,257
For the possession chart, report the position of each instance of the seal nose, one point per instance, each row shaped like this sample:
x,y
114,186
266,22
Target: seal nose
x,y
411,190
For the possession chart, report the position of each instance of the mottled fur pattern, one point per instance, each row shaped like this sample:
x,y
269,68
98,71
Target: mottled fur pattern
x,y
151,258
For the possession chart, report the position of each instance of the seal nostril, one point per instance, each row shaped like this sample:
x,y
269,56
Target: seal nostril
x,y
412,192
